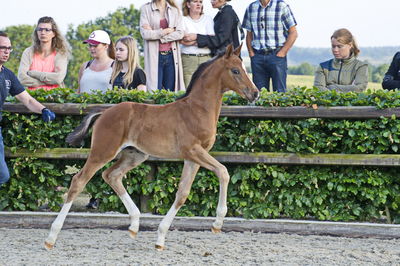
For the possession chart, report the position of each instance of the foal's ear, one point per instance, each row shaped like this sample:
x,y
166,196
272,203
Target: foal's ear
x,y
229,51
237,50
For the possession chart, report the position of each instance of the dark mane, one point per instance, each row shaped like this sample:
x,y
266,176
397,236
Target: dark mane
x,y
198,73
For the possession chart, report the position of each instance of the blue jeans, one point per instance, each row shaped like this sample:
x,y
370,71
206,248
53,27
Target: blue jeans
x,y
4,174
166,72
269,66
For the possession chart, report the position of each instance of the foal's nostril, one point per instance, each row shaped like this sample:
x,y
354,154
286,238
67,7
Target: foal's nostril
x,y
255,94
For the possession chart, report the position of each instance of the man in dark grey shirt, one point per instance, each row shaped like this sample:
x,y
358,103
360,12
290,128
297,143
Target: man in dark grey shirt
x,y
9,84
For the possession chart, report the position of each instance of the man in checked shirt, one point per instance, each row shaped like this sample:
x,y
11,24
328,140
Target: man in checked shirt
x,y
271,32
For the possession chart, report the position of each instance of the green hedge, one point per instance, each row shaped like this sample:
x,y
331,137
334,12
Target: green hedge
x,y
256,191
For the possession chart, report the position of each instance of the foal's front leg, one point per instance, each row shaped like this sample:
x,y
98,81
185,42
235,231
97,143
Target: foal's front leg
x,y
189,172
204,159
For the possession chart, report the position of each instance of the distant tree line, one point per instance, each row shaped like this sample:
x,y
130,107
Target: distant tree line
x,y
302,69
376,73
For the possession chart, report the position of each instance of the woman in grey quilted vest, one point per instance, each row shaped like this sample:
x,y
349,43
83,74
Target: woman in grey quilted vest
x,y
344,72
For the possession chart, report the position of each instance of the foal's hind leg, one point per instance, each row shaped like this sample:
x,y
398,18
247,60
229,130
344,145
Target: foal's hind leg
x,y
189,172
78,183
130,158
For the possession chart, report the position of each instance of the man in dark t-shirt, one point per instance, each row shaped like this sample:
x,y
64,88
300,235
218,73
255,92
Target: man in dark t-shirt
x,y
9,84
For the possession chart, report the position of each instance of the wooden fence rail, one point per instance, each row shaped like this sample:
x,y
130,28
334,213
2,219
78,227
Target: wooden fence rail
x,y
237,157
298,112
342,112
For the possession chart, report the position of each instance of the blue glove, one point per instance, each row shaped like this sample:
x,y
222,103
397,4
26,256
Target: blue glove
x,y
48,115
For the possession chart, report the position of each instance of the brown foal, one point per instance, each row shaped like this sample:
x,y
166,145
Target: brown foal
x,y
183,129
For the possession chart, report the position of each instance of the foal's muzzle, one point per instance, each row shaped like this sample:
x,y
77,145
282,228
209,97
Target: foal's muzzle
x,y
252,94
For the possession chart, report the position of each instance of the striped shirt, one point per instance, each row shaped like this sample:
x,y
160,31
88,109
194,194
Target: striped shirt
x,y
269,25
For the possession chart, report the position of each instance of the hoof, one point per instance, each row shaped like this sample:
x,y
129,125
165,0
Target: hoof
x,y
48,246
159,248
132,234
215,230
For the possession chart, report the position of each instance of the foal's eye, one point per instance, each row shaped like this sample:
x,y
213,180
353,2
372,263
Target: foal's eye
x,y
235,71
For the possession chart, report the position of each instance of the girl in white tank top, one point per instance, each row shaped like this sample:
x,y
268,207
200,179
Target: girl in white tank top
x,y
95,80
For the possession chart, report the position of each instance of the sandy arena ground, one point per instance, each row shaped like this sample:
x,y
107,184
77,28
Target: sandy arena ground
x,y
115,247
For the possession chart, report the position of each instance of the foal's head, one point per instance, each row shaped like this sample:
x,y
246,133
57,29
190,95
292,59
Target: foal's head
x,y
234,77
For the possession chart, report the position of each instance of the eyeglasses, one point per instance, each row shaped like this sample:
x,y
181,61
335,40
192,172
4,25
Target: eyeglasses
x,y
44,30
5,48
92,45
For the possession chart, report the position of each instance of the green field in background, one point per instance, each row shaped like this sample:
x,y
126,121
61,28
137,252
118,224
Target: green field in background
x,y
303,80
308,81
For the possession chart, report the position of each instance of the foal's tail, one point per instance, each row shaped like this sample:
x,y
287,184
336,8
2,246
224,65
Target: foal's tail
x,y
75,137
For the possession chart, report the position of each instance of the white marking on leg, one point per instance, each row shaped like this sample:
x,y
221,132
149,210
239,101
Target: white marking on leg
x,y
189,171
133,211
165,225
222,208
221,212
58,223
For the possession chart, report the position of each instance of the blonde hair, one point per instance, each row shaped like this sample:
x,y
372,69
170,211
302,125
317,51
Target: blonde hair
x,y
344,36
133,61
58,43
186,11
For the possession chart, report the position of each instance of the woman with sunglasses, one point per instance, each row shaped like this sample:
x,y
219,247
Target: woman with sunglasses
x,y
96,73
44,64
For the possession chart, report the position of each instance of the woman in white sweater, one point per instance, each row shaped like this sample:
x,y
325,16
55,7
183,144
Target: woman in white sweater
x,y
194,21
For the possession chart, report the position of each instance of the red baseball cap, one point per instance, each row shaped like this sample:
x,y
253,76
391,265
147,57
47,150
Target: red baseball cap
x,y
97,37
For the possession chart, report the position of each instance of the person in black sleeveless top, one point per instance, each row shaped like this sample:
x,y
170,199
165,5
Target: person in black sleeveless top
x,y
391,80
127,73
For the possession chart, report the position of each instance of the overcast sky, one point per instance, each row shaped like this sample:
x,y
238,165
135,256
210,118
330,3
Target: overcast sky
x,y
374,23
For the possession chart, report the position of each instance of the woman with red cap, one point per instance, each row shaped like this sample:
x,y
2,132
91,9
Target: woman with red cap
x,y
96,73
